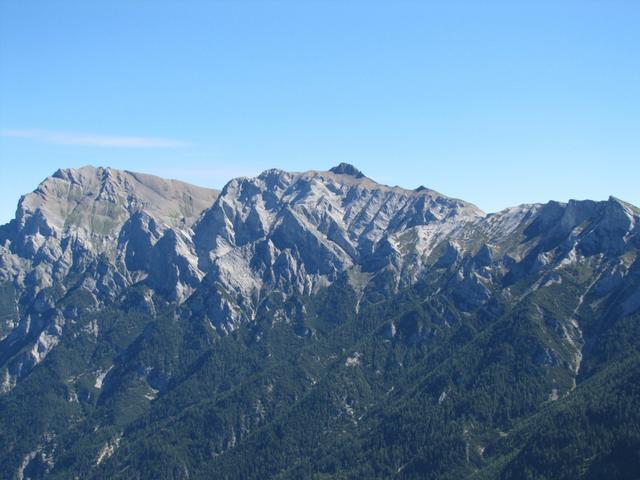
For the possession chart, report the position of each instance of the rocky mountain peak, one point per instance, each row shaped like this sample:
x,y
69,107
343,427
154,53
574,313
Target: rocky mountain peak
x,y
347,169
98,199
101,230
295,232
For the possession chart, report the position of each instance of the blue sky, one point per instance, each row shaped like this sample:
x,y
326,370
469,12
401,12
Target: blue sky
x,y
498,103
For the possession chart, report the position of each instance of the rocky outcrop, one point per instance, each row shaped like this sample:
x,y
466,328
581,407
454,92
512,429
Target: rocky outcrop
x,y
294,232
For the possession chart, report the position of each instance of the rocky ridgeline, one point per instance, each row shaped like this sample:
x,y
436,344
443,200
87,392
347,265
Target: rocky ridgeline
x,y
85,236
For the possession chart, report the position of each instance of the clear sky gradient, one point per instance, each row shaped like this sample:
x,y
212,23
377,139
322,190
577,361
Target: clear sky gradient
x,y
499,103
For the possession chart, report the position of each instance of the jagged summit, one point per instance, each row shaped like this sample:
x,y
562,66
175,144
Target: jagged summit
x,y
347,169
78,218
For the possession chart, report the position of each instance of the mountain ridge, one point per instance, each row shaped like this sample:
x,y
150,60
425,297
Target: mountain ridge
x,y
383,315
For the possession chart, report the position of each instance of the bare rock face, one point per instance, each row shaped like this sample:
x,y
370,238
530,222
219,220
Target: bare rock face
x,y
294,232
99,231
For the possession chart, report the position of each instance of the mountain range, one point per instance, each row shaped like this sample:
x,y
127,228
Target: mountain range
x,y
314,325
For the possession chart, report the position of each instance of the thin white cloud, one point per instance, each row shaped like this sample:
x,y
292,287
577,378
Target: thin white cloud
x,y
93,139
